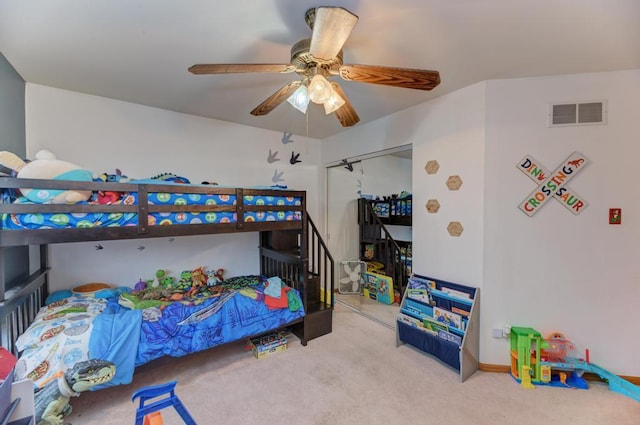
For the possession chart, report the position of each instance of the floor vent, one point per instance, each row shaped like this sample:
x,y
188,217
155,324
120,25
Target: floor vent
x,y
563,114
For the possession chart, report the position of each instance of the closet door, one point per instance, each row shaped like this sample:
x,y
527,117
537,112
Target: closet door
x,y
342,226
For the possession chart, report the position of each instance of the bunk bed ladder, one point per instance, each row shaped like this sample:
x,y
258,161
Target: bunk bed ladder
x,y
302,259
320,282
386,249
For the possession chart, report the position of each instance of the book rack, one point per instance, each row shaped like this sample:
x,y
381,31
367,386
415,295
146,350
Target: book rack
x,y
440,318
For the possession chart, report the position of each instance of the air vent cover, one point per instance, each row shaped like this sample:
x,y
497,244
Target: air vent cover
x,y
563,114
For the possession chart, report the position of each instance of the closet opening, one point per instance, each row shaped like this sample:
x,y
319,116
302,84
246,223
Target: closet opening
x,y
369,230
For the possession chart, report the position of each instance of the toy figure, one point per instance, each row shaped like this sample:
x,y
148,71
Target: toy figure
x,y
140,285
215,278
164,280
110,197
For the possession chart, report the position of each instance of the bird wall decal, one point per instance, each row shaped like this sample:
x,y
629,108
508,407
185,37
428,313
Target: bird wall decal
x,y
273,157
294,158
286,138
277,176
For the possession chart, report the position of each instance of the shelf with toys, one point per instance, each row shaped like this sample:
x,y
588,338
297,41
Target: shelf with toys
x,y
439,318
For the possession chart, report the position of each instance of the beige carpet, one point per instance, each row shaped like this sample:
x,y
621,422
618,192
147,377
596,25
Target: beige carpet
x,y
354,375
384,313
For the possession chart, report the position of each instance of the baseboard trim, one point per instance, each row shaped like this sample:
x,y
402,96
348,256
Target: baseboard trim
x,y
498,368
494,368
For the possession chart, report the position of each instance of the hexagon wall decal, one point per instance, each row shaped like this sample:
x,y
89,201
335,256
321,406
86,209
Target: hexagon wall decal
x,y
432,167
455,228
454,182
433,206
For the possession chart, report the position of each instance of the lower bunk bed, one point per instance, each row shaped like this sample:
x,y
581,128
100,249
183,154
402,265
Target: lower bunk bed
x,y
130,329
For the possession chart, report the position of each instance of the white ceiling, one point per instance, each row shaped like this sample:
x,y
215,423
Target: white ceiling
x,y
139,50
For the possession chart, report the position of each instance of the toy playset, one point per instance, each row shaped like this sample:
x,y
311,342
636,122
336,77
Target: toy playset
x,y
553,361
264,345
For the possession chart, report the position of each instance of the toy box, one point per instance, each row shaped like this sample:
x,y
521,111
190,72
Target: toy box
x,y
264,345
378,287
16,398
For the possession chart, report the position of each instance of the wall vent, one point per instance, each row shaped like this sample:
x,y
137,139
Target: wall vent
x,y
563,114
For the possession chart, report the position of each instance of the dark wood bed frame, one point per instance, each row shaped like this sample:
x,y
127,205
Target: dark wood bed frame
x,y
291,249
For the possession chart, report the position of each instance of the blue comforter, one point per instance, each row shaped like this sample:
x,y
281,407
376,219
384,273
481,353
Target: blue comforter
x,y
78,328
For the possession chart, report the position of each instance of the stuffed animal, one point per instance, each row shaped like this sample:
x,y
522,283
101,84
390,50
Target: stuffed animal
x,y
164,280
107,196
46,166
215,278
112,178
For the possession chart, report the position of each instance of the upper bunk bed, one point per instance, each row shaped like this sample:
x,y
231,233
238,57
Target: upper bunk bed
x,y
145,209
393,210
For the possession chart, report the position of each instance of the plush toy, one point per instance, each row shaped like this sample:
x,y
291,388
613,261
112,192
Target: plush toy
x,y
46,166
112,178
164,280
106,196
215,278
140,285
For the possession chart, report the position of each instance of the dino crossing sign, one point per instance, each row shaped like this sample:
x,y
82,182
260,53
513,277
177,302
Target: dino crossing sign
x,y
553,185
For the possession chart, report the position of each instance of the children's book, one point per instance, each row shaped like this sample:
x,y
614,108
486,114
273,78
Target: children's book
x,y
423,295
457,294
445,316
460,311
420,283
416,323
434,325
448,336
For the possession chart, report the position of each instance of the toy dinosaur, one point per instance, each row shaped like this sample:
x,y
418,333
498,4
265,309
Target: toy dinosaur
x,y
170,177
52,400
150,297
164,280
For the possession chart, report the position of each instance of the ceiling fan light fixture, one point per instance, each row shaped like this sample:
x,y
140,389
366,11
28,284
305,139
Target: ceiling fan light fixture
x,y
300,99
319,89
334,102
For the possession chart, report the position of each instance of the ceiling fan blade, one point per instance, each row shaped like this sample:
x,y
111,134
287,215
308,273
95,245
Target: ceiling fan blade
x,y
419,79
231,68
331,27
345,114
275,99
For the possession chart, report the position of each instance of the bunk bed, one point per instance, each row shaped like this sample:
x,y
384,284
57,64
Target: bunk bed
x,y
377,246
394,210
163,209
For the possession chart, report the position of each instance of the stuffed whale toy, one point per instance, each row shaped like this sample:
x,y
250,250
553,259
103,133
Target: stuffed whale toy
x,y
46,166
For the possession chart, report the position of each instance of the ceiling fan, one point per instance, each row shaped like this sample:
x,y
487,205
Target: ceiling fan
x,y
319,57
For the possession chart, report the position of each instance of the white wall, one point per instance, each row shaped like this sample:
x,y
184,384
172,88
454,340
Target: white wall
x,y
555,271
102,134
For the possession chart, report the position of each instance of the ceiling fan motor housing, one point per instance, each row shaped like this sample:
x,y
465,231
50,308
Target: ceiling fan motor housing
x,y
305,61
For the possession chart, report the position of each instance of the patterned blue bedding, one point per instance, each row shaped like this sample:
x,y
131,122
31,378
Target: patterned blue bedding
x,y
86,220
78,328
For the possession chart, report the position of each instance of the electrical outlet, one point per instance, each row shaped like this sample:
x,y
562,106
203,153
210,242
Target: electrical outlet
x,y
506,331
496,333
